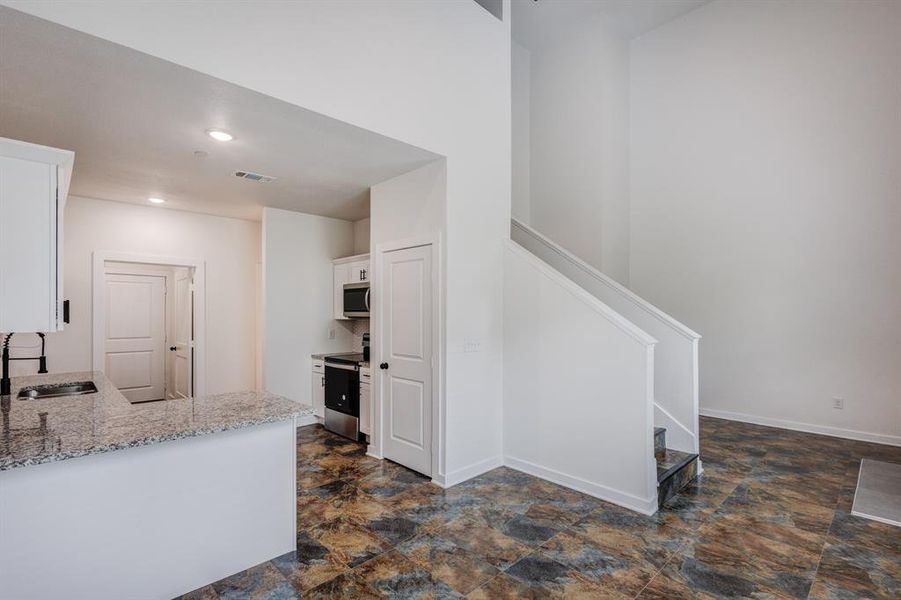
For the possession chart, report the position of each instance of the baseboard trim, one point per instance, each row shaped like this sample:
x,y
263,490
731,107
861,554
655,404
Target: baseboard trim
x,y
473,470
645,506
850,434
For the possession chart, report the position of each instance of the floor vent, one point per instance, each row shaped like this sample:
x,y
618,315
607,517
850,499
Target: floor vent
x,y
254,176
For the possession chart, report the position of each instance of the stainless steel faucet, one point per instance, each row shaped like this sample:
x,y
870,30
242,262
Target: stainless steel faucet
x,y
42,363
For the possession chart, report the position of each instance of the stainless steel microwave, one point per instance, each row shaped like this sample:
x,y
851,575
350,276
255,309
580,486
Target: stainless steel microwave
x,y
356,300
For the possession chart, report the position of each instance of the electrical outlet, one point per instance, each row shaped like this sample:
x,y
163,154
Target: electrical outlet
x,y
331,334
838,403
472,346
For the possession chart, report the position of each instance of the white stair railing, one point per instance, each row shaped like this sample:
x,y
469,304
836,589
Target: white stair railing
x,y
676,352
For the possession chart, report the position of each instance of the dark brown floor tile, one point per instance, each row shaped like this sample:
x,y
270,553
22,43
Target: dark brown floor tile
x,y
205,593
538,524
780,548
346,585
391,480
347,541
620,569
261,581
477,533
671,584
849,571
554,580
310,564
879,537
784,533
771,567
691,511
690,577
392,575
762,502
653,538
504,587
461,569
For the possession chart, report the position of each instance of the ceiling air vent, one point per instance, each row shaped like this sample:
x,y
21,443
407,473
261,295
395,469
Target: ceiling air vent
x,y
254,176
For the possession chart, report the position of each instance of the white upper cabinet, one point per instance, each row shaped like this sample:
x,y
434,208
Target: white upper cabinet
x,y
34,181
350,269
358,272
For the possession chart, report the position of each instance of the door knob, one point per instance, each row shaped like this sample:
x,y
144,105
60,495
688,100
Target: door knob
x,y
383,366
171,348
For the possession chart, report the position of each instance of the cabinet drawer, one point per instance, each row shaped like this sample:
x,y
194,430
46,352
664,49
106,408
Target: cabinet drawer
x,y
318,366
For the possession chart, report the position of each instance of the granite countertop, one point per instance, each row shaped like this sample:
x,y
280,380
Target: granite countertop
x,y
55,429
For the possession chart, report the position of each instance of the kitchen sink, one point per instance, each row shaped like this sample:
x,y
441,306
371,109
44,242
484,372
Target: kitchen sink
x,y
55,390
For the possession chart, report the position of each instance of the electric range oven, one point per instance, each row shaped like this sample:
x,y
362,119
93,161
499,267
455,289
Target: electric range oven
x,y
342,394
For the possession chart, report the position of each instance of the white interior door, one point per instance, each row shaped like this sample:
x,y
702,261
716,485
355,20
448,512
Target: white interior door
x,y
135,338
406,375
182,347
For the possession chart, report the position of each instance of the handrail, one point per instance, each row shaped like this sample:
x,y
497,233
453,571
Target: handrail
x,y
595,303
602,278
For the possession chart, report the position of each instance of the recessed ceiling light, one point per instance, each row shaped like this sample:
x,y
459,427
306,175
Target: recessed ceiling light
x,y
220,135
155,200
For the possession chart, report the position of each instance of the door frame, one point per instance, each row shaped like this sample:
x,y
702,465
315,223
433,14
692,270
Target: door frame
x,y
98,305
438,414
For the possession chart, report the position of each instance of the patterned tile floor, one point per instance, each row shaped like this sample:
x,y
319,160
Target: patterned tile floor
x,y
769,518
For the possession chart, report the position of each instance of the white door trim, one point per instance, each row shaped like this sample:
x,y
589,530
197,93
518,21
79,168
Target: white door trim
x,y
438,411
98,305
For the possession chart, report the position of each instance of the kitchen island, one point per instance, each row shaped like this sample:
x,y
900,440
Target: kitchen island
x,y
101,498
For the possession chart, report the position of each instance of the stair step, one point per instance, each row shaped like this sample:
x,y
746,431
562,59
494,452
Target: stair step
x,y
675,470
659,442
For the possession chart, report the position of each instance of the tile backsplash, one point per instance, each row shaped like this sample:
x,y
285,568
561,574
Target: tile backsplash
x,y
358,328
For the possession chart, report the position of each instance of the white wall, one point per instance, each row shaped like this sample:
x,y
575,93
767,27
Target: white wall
x,y
520,153
230,248
578,387
361,236
406,207
409,205
433,74
766,169
298,297
579,135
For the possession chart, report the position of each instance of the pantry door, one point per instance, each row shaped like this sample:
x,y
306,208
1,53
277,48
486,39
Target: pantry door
x,y
406,356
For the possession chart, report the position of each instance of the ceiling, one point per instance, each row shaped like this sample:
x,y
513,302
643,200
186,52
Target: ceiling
x,y
138,127
541,23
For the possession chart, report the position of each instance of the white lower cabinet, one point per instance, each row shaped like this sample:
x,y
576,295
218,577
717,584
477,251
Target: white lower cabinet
x,y
317,388
365,402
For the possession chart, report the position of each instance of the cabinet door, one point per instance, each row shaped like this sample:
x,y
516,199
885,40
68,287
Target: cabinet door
x,y
365,409
359,271
317,392
340,277
28,252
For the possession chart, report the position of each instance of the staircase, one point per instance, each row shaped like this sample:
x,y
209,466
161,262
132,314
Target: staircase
x,y
673,366
675,469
